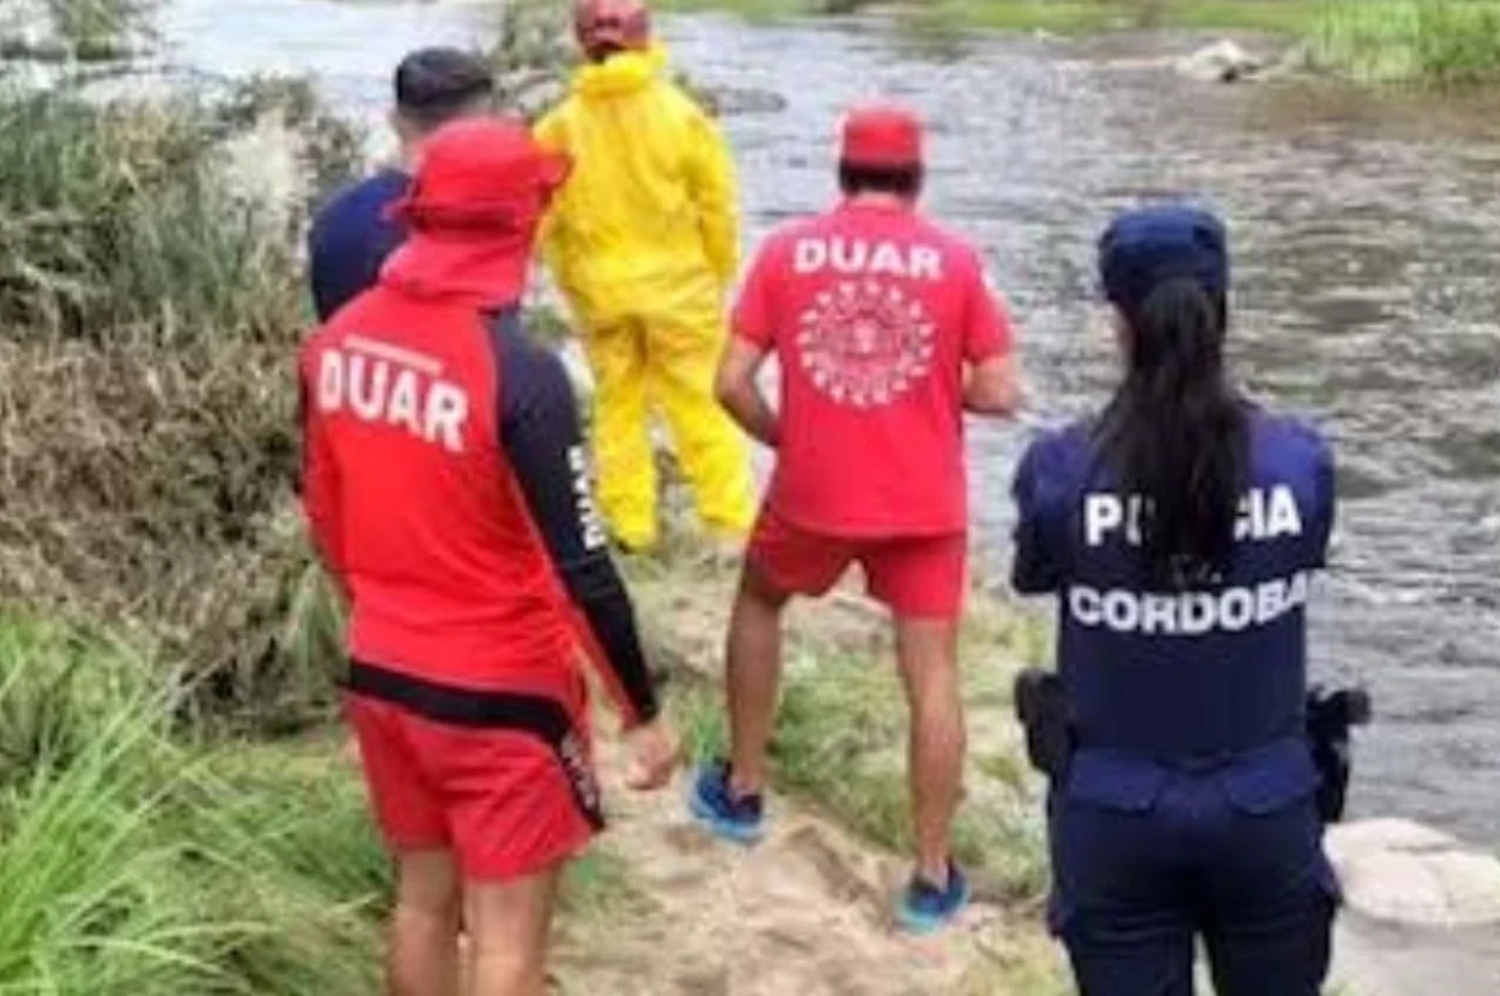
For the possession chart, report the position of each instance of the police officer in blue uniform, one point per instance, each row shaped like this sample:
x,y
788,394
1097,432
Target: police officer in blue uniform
x,y
1179,529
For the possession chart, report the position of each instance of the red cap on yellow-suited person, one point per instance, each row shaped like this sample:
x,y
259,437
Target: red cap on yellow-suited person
x,y
607,26
882,136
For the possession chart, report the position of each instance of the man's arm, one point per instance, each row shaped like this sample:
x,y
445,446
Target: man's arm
x,y
739,391
993,386
992,379
319,486
1035,569
540,433
714,188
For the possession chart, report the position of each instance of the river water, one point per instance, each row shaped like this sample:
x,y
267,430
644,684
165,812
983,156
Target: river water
x,y
1368,269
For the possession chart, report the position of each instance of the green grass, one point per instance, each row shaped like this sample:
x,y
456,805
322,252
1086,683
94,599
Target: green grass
x,y
1061,16
134,861
131,862
1447,43
1441,42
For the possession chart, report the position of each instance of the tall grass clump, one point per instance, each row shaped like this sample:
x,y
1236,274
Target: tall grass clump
x,y
150,310
1445,43
131,864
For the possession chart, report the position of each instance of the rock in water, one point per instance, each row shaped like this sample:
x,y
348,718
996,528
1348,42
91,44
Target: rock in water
x,y
733,101
1222,62
1406,873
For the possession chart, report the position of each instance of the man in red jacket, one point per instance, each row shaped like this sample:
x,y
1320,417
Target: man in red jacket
x,y
447,490
886,331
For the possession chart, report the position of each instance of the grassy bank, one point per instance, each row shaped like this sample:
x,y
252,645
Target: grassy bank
x,y
1440,42
1061,16
149,308
1443,42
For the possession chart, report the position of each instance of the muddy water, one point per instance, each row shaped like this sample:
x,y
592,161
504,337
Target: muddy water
x,y
1368,295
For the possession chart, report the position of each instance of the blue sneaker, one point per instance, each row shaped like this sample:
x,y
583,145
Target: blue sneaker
x,y
715,806
923,908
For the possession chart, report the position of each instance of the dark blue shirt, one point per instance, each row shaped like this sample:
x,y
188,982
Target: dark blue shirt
x,y
1211,672
351,238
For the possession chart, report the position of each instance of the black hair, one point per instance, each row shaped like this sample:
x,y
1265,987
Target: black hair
x,y
1177,433
904,181
437,85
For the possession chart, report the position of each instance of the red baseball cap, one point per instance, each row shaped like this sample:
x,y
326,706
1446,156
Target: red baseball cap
x,y
882,135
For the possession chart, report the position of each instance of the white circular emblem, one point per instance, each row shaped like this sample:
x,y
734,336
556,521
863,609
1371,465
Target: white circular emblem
x,y
865,343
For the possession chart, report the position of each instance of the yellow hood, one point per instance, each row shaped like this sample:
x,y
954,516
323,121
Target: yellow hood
x,y
627,72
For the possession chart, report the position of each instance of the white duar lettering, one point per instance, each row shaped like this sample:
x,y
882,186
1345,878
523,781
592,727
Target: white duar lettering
x,y
331,381
848,257
887,259
367,386
402,409
926,263
810,256
443,421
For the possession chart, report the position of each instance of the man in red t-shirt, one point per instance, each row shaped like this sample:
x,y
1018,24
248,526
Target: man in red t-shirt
x,y
885,331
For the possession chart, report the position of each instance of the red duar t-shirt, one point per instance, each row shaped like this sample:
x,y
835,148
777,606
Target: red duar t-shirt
x,y
872,311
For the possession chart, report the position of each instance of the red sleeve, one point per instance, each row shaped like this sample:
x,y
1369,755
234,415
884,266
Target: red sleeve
x,y
987,329
755,311
320,480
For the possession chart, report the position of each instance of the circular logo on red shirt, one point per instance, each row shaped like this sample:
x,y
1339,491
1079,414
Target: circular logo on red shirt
x,y
865,343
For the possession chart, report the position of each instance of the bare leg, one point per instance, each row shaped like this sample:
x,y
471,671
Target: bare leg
x,y
509,927
927,650
423,958
754,678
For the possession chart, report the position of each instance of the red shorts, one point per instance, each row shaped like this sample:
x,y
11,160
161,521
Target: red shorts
x,y
503,780
920,577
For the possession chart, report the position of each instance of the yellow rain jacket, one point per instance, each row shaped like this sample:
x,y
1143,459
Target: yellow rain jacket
x,y
644,243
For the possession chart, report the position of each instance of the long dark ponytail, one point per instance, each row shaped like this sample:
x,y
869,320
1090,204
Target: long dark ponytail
x,y
1177,432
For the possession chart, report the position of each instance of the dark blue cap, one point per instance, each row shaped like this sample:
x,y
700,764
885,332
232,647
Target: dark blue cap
x,y
1145,248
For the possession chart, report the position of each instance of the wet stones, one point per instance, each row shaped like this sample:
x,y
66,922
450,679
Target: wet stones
x,y
1405,873
1222,62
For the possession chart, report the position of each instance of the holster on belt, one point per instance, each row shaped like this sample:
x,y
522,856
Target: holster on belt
x,y
1043,711
1330,715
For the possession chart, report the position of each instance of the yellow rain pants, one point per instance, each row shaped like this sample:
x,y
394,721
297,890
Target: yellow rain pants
x,y
644,243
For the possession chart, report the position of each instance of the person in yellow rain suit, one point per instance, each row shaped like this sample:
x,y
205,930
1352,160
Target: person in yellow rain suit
x,y
644,243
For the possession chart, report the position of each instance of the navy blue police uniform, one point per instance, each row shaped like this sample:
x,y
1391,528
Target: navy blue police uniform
x,y
1187,807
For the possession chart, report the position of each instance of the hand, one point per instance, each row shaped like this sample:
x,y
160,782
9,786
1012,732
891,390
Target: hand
x,y
653,749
